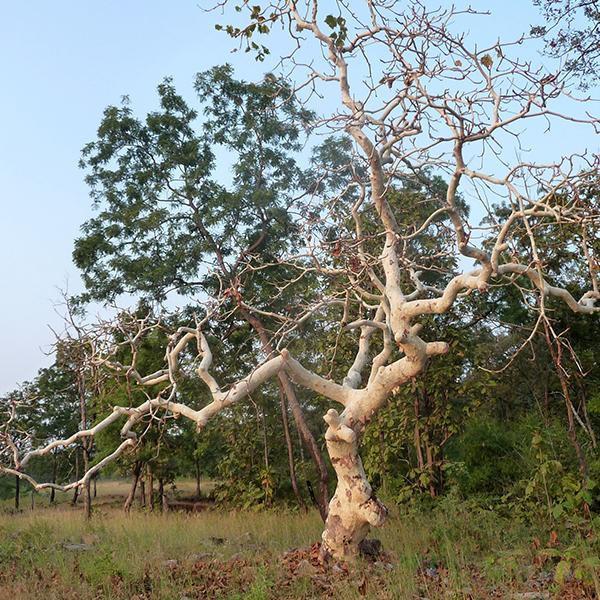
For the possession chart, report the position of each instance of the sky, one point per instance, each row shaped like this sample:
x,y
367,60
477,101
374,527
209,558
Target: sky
x,y
62,63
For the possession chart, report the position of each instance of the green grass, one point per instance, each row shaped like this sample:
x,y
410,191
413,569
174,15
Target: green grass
x,y
450,552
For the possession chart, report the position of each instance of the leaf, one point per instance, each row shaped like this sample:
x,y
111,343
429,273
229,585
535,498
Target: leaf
x,y
487,61
331,21
562,571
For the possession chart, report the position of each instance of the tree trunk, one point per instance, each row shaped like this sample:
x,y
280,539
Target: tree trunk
x,y
556,355
86,445
198,477
142,492
76,491
54,472
354,509
161,494
87,490
305,433
289,446
150,490
136,475
17,492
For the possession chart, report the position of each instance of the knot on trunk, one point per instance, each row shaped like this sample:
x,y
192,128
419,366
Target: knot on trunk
x,y
338,432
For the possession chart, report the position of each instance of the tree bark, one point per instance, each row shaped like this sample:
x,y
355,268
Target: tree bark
x,y
17,492
354,509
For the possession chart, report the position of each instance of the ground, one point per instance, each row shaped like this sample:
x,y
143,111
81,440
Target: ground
x,y
449,553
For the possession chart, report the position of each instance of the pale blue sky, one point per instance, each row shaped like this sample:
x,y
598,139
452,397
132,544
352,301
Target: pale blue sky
x,y
62,63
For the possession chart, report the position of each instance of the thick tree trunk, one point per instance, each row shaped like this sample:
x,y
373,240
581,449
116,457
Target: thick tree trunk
x,y
17,492
134,481
354,509
305,433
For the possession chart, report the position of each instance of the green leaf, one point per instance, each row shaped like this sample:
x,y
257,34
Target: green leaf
x,y
562,571
331,21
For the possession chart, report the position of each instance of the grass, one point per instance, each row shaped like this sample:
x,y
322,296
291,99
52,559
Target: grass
x,y
448,553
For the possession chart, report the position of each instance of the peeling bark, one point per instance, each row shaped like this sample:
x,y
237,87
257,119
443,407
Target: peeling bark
x,y
354,509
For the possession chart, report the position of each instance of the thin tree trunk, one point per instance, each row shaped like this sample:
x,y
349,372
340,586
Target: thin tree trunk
x,y
431,469
150,490
54,473
198,477
161,494
17,492
305,433
76,491
142,492
417,434
289,446
556,355
86,445
131,496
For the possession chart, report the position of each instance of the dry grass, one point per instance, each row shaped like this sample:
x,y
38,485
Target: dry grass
x,y
52,553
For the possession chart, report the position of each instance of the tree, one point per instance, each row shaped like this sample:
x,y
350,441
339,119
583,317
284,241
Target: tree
x,y
424,104
572,33
164,218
